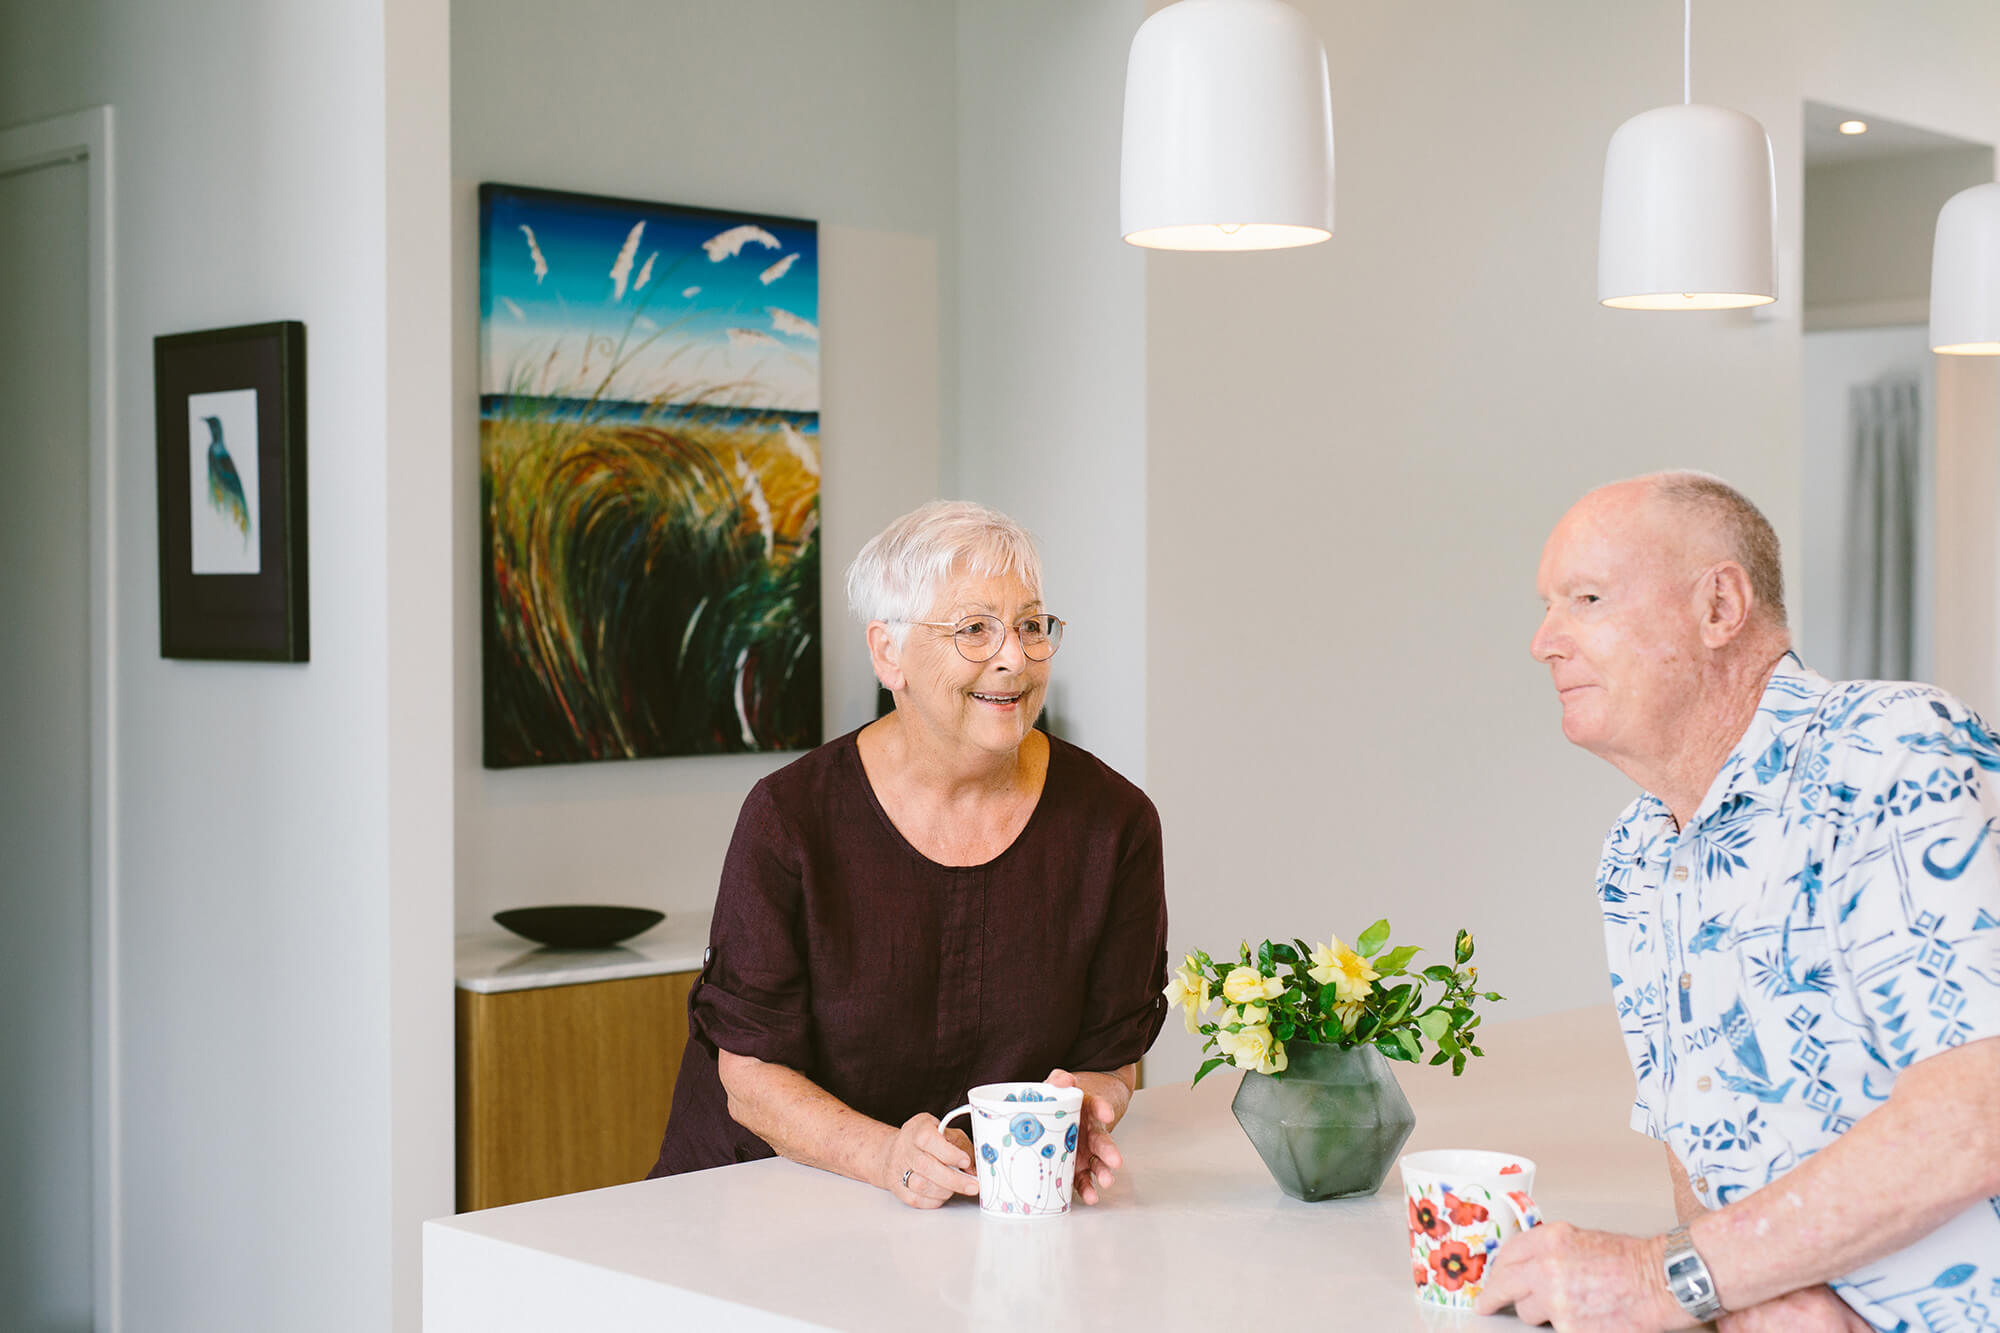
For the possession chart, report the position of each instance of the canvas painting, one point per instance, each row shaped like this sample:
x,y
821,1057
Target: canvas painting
x,y
649,447
222,482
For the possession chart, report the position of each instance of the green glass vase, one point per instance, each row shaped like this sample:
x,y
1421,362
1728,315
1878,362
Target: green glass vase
x,y
1330,1127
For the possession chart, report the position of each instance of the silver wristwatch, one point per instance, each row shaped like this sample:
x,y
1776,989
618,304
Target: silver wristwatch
x,y
1688,1279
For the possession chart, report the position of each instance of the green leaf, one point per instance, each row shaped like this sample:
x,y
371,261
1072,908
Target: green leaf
x,y
1283,1031
1458,1064
1305,950
1408,1040
1491,996
1447,1043
1284,953
1372,939
1397,959
1391,1048
1475,1050
1438,972
1208,1067
1434,1023
1440,1057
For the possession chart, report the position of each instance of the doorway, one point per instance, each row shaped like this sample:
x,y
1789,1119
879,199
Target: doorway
x,y
1876,433
56,1109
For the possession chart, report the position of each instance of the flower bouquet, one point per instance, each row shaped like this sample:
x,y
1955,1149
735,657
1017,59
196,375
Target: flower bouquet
x,y
1328,1016
1330,995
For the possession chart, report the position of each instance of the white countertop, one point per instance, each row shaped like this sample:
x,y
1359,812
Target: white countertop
x,y
497,960
1192,1228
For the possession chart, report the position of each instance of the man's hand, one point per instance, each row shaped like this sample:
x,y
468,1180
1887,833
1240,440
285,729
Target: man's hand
x,y
1807,1310
1583,1281
1097,1157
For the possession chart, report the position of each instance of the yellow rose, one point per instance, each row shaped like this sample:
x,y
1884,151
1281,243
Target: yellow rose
x,y
1346,970
1246,985
1249,1015
1349,1013
1253,1048
1190,989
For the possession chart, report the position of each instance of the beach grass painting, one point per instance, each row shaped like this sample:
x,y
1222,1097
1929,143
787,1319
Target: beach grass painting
x,y
649,449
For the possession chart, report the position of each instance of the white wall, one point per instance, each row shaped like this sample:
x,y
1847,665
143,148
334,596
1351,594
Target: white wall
x,y
1052,401
1831,362
285,1061
1356,450
841,113
1868,227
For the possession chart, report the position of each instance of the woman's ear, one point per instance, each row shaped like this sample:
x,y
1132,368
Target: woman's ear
x,y
884,654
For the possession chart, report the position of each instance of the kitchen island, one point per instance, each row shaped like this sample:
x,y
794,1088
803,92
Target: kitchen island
x,y
1194,1229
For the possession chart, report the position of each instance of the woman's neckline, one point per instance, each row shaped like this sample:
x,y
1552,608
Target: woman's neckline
x,y
852,742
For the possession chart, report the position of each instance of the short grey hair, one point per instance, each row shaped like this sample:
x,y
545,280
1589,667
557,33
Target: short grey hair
x,y
1746,534
902,571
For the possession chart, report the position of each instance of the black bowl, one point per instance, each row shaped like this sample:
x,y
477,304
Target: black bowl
x,y
578,927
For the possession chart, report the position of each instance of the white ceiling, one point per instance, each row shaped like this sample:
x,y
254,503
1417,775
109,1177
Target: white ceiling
x,y
1825,144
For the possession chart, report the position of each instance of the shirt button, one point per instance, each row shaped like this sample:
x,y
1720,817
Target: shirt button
x,y
1687,981
1701,1184
1680,872
1702,1084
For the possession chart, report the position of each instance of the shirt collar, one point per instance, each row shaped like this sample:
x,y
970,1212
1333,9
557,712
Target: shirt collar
x,y
1759,768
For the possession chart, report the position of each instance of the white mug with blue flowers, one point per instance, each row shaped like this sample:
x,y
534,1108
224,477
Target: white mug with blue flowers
x,y
1024,1146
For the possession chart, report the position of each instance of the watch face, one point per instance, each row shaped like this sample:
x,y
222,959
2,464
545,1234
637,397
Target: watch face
x,y
1688,1279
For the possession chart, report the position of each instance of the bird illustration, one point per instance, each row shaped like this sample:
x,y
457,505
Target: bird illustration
x,y
225,488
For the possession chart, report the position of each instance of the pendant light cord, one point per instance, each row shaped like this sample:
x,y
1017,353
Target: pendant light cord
x,y
1687,52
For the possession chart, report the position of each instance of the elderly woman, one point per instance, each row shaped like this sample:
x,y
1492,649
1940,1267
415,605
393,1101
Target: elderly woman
x,y
944,898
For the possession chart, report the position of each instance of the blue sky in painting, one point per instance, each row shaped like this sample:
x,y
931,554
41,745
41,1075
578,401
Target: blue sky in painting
x,y
679,316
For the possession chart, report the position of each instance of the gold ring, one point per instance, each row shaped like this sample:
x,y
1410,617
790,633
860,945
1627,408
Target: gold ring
x,y
906,1178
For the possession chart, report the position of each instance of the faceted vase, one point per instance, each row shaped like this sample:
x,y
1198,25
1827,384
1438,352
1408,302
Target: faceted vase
x,y
1331,1127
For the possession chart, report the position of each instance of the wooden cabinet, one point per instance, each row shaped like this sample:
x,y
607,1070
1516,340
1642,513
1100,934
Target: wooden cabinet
x,y
565,1087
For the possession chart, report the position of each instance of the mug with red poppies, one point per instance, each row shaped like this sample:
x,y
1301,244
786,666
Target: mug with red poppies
x,y
1462,1204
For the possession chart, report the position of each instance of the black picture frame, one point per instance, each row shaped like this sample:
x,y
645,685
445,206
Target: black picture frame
x,y
233,583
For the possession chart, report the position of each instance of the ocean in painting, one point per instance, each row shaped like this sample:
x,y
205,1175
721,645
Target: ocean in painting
x,y
649,450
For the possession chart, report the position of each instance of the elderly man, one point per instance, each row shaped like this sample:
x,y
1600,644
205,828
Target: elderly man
x,y
1803,917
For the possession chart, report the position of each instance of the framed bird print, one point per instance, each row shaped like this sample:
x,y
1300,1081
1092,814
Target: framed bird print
x,y
230,424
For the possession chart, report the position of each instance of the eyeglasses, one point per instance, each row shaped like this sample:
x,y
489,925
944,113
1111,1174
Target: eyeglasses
x,y
980,638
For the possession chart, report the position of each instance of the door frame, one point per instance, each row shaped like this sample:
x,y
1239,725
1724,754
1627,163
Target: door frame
x,y
86,137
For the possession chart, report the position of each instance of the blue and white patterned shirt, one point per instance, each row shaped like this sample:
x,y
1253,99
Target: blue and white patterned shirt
x,y
1830,915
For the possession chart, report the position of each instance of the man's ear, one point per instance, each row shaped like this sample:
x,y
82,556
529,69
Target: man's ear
x,y
884,654
1726,603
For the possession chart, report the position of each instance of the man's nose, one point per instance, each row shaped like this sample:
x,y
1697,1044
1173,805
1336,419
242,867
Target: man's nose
x,y
1548,642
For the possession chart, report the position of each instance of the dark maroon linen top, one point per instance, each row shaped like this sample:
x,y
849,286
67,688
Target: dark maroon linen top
x,y
896,983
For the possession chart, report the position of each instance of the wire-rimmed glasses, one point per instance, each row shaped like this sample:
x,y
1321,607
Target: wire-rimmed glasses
x,y
979,638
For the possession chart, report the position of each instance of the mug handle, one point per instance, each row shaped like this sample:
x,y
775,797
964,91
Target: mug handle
x,y
1518,1203
950,1116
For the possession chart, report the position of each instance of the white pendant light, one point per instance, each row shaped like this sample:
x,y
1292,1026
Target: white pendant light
x,y
1965,274
1228,129
1689,198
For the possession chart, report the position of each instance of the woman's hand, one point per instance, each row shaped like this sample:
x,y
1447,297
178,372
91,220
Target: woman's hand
x,y
924,1166
1105,1097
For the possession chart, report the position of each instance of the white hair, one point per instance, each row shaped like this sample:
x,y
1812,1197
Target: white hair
x,y
903,570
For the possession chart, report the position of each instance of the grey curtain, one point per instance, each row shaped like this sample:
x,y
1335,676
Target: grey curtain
x,y
1879,576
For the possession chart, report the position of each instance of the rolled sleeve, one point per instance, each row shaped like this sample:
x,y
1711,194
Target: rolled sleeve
x,y
1917,911
1124,1008
753,997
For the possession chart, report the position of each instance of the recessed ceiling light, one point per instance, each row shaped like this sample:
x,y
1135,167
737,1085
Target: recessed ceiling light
x,y
1854,127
